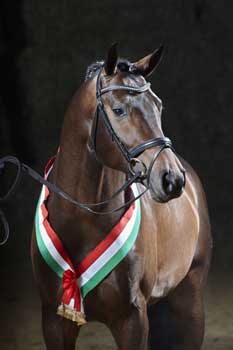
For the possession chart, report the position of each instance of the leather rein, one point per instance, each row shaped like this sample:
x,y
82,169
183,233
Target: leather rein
x,y
130,156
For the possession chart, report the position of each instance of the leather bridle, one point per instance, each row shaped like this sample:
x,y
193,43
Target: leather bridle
x,y
130,155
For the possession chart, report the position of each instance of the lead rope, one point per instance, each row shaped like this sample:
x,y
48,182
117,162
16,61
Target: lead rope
x,y
21,167
3,219
162,142
6,228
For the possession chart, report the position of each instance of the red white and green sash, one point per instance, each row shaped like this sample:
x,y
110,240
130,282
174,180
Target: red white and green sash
x,y
80,280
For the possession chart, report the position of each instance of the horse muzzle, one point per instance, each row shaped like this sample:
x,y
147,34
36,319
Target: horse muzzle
x,y
170,185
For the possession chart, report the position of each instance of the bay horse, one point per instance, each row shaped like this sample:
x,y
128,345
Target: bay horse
x,y
112,129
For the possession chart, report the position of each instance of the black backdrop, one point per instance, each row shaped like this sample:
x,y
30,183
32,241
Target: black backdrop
x,y
45,47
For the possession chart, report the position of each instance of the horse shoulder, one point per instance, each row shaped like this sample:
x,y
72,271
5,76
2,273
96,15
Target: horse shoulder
x,y
204,244
177,236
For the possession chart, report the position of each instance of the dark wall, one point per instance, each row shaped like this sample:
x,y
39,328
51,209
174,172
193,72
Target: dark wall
x,y
45,47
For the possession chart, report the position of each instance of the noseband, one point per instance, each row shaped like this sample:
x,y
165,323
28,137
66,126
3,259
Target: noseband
x,y
130,155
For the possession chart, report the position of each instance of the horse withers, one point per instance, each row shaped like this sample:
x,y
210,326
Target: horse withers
x,y
111,139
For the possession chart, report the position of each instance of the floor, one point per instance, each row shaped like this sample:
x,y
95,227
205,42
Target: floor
x,y
20,315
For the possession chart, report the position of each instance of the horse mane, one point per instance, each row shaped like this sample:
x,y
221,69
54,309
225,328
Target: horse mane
x,y
92,70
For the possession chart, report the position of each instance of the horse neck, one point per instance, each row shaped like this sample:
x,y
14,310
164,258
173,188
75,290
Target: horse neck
x,y
82,176
78,172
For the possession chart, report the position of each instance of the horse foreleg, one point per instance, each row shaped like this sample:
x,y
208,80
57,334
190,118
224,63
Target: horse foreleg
x,y
187,306
131,332
59,333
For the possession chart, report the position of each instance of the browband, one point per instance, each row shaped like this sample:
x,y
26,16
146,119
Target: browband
x,y
124,87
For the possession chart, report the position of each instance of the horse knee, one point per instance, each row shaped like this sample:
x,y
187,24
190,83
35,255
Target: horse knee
x,y
131,331
59,333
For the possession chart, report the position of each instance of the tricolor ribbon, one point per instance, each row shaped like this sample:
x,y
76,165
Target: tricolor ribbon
x,y
71,300
78,282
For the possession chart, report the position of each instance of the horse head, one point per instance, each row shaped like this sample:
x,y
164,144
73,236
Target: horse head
x,y
127,128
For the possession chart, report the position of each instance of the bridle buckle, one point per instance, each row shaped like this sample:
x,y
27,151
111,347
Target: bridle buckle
x,y
138,166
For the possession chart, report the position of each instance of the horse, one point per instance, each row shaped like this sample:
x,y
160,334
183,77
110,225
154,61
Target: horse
x,y
111,138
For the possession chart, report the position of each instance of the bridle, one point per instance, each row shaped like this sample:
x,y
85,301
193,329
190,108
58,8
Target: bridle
x,y
130,155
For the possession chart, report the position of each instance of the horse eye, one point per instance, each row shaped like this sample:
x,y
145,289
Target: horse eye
x,y
119,112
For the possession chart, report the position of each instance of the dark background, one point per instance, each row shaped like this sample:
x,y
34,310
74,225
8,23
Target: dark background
x,y
45,47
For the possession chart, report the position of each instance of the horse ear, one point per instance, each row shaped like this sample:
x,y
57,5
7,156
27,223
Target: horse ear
x,y
147,64
111,60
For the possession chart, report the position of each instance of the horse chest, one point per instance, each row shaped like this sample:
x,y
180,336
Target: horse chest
x,y
171,247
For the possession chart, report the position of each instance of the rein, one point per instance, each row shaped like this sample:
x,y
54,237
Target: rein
x,y
130,156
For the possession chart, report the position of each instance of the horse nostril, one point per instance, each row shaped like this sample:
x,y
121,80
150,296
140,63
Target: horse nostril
x,y
168,183
173,184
